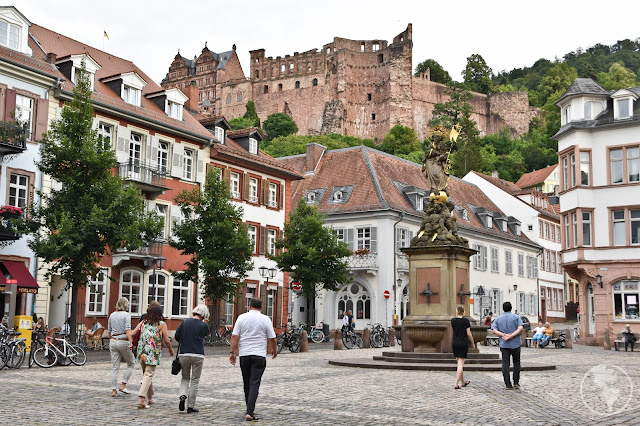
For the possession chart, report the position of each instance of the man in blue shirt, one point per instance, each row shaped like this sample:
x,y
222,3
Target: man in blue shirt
x,y
508,327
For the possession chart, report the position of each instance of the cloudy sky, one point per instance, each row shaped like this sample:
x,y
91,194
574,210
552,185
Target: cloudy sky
x,y
507,34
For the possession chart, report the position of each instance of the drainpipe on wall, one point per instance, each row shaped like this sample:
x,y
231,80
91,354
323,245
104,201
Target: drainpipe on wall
x,y
395,271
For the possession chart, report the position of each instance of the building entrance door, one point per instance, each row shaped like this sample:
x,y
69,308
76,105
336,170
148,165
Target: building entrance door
x,y
591,318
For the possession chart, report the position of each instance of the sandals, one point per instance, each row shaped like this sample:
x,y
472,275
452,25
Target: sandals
x,y
466,383
124,391
457,387
251,418
143,406
114,393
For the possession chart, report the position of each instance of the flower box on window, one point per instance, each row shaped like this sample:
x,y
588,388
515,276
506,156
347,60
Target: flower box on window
x,y
361,252
7,228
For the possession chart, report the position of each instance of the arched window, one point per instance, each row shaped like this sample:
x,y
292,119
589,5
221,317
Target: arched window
x,y
354,295
239,97
297,84
280,87
341,309
404,303
228,98
131,288
314,82
158,290
266,88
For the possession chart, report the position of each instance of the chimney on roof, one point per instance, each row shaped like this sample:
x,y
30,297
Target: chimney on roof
x,y
51,57
192,92
495,174
314,153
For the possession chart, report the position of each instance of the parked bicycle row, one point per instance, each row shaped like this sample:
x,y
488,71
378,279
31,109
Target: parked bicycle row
x,y
378,337
291,338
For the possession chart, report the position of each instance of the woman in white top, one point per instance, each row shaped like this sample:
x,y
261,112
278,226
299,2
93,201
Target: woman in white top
x,y
538,332
120,345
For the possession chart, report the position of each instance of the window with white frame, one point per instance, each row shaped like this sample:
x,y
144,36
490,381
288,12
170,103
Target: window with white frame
x,y
162,210
187,164
480,258
363,238
229,307
311,197
495,266
633,164
131,288
337,196
626,294
634,218
403,239
18,190
547,260
567,114
552,234
623,108
157,289
521,264
163,156
271,241
341,234
419,203
105,131
615,157
508,262
253,190
567,236
271,297
565,172
586,228
572,170
619,228
253,146
180,299
585,168
131,95
173,110
9,35
253,232
234,179
97,294
521,303
273,195
247,298
532,267
135,149
24,112
553,261
219,134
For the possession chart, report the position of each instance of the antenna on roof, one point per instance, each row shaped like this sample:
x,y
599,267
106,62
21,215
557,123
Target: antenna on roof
x,y
205,44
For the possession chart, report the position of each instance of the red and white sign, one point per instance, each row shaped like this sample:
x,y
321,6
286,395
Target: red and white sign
x,y
296,286
386,294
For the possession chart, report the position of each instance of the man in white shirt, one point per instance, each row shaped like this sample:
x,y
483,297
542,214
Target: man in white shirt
x,y
253,334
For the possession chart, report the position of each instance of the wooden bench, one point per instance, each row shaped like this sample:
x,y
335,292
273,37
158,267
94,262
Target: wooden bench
x,y
619,342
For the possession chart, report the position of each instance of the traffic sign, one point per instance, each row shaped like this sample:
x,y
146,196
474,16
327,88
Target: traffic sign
x,y
386,294
296,286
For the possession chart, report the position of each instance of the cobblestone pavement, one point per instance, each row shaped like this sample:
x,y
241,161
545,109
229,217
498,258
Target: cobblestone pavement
x,y
303,389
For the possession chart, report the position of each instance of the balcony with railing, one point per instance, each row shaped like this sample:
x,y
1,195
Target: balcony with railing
x,y
403,262
13,138
8,231
151,249
149,179
364,261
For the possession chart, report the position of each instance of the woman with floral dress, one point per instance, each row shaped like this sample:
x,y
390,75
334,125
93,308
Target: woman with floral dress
x,y
154,332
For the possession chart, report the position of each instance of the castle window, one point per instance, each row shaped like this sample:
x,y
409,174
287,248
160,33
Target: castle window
x,y
257,74
239,97
297,84
314,82
373,117
280,87
228,98
328,50
291,67
376,47
309,67
266,89
282,68
362,46
368,96
380,58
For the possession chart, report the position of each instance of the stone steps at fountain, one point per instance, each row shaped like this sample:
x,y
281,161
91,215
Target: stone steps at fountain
x,y
435,355
430,366
445,360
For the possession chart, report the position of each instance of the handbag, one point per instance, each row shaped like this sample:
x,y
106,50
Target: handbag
x,y
175,364
136,338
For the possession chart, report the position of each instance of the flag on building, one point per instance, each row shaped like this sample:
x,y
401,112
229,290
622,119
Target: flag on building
x,y
106,35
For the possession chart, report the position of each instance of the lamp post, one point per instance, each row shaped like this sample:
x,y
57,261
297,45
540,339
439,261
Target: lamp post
x,y
151,262
267,273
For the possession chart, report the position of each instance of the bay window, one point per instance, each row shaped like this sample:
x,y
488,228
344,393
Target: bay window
x,y
625,299
586,228
158,290
585,165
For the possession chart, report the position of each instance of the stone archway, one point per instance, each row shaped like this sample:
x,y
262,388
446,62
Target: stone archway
x,y
356,297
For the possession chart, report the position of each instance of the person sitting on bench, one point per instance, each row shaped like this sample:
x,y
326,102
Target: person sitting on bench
x,y
628,337
538,332
548,334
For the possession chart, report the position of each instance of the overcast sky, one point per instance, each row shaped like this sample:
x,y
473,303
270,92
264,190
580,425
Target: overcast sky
x,y
508,34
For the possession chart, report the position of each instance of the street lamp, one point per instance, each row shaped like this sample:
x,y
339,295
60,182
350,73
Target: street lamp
x,y
151,262
515,288
599,280
267,272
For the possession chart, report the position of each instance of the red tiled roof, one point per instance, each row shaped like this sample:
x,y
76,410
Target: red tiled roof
x,y
505,185
535,177
52,42
243,132
26,61
232,149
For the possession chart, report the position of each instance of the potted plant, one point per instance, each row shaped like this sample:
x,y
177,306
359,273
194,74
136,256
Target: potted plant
x,y
361,252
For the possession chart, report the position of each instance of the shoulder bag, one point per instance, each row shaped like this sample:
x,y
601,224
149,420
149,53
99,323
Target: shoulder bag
x,y
136,338
175,364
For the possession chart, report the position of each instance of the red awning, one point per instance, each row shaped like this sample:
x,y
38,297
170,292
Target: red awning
x,y
18,271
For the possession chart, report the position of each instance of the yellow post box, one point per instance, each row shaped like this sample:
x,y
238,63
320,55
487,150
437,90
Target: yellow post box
x,y
24,324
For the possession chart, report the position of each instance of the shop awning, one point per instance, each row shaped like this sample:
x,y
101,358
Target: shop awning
x,y
19,272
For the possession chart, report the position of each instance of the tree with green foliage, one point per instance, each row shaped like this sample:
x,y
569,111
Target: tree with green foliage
x,y
619,77
589,72
400,140
279,124
558,79
93,213
238,123
436,72
297,144
251,114
213,235
477,75
312,253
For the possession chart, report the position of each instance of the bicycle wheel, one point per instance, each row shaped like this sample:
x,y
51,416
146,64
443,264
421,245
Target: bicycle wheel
x,y
376,340
34,346
317,336
226,338
280,341
4,356
76,354
347,341
294,343
359,341
64,359
16,358
45,357
386,342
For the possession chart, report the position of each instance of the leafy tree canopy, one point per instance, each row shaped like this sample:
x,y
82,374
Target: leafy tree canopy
x,y
477,75
213,235
251,115
241,123
297,144
618,77
400,140
279,124
436,72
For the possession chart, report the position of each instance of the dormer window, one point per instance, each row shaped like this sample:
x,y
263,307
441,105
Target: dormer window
x,y
419,202
489,221
131,95
132,85
253,146
623,109
14,30
174,110
337,196
311,197
9,35
623,104
220,134
71,67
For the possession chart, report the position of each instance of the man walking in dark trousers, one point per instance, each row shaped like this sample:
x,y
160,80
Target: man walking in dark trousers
x,y
253,334
508,327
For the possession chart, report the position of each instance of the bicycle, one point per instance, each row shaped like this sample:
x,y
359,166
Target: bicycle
x,y
314,334
379,336
350,338
46,356
291,339
221,334
13,347
37,340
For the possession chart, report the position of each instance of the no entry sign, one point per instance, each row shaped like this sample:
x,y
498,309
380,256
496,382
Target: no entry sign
x,y
296,286
386,294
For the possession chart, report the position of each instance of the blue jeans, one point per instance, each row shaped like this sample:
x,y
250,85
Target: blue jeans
x,y
537,337
545,340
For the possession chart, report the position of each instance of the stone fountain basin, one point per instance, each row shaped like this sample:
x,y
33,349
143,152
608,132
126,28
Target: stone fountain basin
x,y
425,335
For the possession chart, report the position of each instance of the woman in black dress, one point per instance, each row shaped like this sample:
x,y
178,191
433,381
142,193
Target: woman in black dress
x,y
460,343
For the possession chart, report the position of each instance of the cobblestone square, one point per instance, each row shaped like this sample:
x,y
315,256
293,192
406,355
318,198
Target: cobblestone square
x,y
304,389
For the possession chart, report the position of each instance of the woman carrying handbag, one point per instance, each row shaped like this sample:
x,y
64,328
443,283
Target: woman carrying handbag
x,y
120,333
191,333
153,333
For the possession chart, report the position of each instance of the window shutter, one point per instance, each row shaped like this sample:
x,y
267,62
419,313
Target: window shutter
x,y
476,256
484,258
177,166
263,240
280,303
9,105
398,240
374,239
280,196
226,175
245,187
176,217
476,305
410,237
200,165
349,237
42,118
152,152
264,193
500,301
122,147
